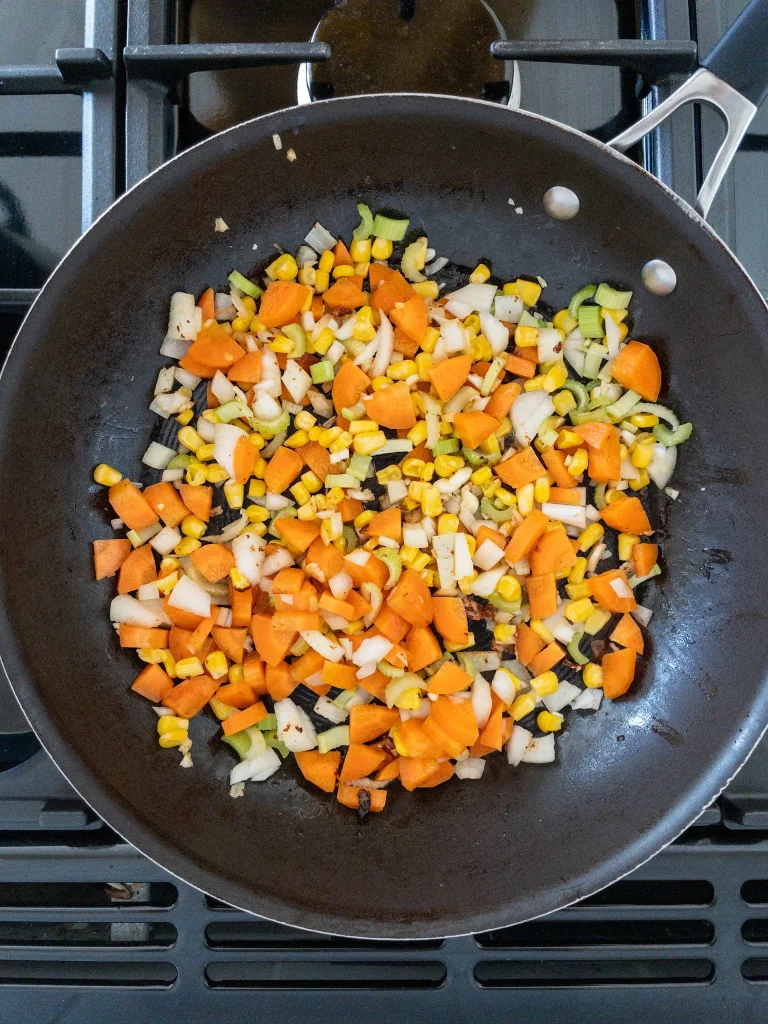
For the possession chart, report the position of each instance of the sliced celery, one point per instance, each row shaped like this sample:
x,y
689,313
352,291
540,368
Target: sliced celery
x,y
669,437
333,738
595,416
391,558
446,446
472,457
344,698
502,605
390,671
181,461
623,408
237,280
270,428
592,360
365,228
268,724
358,466
574,652
497,515
321,372
389,228
350,537
579,392
528,320
299,338
240,743
581,296
341,480
271,740
467,662
590,325
599,497
635,581
282,513
232,411
611,298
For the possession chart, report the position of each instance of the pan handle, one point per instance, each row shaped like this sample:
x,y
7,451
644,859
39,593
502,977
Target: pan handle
x,y
733,79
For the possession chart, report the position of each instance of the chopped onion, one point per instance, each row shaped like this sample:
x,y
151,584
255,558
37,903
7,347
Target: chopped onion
x,y
496,333
171,475
248,550
223,306
277,560
340,584
572,515
396,491
460,399
550,345
165,541
443,552
487,555
158,456
330,711
222,388
186,379
319,239
662,465
481,699
508,308
528,412
461,310
224,618
620,588
462,559
470,768
396,446
227,436
184,318
386,339
541,750
436,265
503,686
294,726
274,444
642,614
297,382
589,699
165,380
190,597
175,348
517,744
257,769
170,405
478,296
486,582
127,609
454,336
324,645
414,535
372,649
563,695
229,532
573,350
453,483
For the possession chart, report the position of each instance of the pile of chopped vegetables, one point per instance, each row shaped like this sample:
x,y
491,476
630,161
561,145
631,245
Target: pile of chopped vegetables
x,y
432,526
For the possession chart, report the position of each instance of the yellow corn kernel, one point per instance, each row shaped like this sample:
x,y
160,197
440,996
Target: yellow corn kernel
x,y
642,455
522,705
211,416
549,721
545,684
447,523
257,489
334,497
284,268
239,581
482,476
216,664
447,465
596,621
577,591
281,345
563,402
240,323
541,489
314,433
480,274
576,575
525,499
300,493
431,501
193,527
529,291
196,473
509,588
465,586
322,282
371,545
416,489
256,440
363,519
643,479
423,363
563,321
408,554
106,476
471,544
186,546
592,675
344,440
626,542
429,340
379,383
306,512
249,302
614,495
343,270
579,611
567,439
381,249
188,667
579,462
167,583
481,349
256,325
150,655
401,370
169,663
167,723
428,472
490,446
409,699
360,250
623,451
172,739
504,633
325,263
363,332
168,564
526,336
324,340
185,417
556,377
311,481
418,433
327,437
304,420
504,496
257,514
235,674
413,467
367,444
388,474
541,631
234,493
307,275
644,420
592,535
510,288
297,439
535,383
205,453
427,289
446,428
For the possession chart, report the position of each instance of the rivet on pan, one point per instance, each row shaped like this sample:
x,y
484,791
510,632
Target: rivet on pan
x,y
658,277
561,203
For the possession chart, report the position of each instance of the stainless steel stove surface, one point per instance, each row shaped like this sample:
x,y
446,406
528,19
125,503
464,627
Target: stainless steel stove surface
x,y
81,912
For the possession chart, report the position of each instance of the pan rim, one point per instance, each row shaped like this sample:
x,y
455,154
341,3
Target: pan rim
x,y
123,821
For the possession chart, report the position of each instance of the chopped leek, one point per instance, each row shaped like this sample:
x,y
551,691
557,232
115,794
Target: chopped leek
x,y
502,605
180,462
391,558
342,699
333,738
232,411
497,515
594,416
357,412
341,480
268,724
350,537
446,446
389,228
635,581
611,298
589,323
579,392
270,428
467,662
299,338
599,497
593,357
358,465
244,285
581,296
365,227
472,457
321,372
270,738
390,671
669,437
574,652
240,743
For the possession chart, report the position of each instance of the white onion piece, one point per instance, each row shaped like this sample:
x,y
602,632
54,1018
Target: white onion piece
x,y
642,615
157,456
508,308
563,695
359,556
323,645
528,412
453,336
175,348
479,296
481,699
386,340
662,464
169,405
165,541
517,744
190,597
620,588
222,388
436,265
397,490
223,306
486,582
460,399
470,768
323,406
165,379
414,536
461,310
462,558
170,475
573,350
127,609
487,555
447,485
330,711
372,649
588,700
503,686
572,515
256,769
340,584
296,380
277,560
224,617
319,238
265,407
248,549
187,379
486,661
229,532
495,331
550,345
227,436
294,726
184,318
541,750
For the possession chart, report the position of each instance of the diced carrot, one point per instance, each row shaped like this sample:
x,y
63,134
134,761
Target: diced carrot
x,y
520,366
272,644
316,457
605,462
627,633
281,302
142,636
565,496
243,460
282,469
288,581
344,295
368,721
207,305
214,349
526,536
644,557
388,523
184,620
296,620
307,665
553,553
618,672
450,619
108,556
153,683
253,673
198,500
600,588
486,533
411,598
138,568
523,468
492,732
241,602
348,385
391,625
317,307
456,718
178,642
341,256
247,370
198,369
637,368
200,634
236,695
474,427
411,317
349,509
389,771
422,648
449,678
378,273
230,640
360,762
391,407
531,355
280,682
444,771
165,500
244,719
554,460
189,697
449,375
404,345
414,770
131,506
394,289
321,770
298,534
214,561
595,434
527,644
375,684
337,674
327,557
547,659
542,595
373,571
349,796
502,399
627,516
412,738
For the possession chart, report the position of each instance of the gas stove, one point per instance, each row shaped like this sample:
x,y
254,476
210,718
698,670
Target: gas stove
x,y
94,94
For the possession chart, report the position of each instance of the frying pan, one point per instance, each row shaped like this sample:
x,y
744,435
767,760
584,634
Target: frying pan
x,y
74,392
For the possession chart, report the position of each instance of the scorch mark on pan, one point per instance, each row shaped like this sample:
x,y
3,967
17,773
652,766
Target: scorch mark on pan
x,y
667,732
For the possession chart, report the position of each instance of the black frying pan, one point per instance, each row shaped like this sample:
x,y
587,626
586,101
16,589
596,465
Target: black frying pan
x,y
74,392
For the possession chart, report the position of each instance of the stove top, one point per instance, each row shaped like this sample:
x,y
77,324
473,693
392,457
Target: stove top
x,y
93,95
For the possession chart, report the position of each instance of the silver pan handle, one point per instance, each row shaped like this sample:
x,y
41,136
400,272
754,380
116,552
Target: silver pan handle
x,y
733,80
